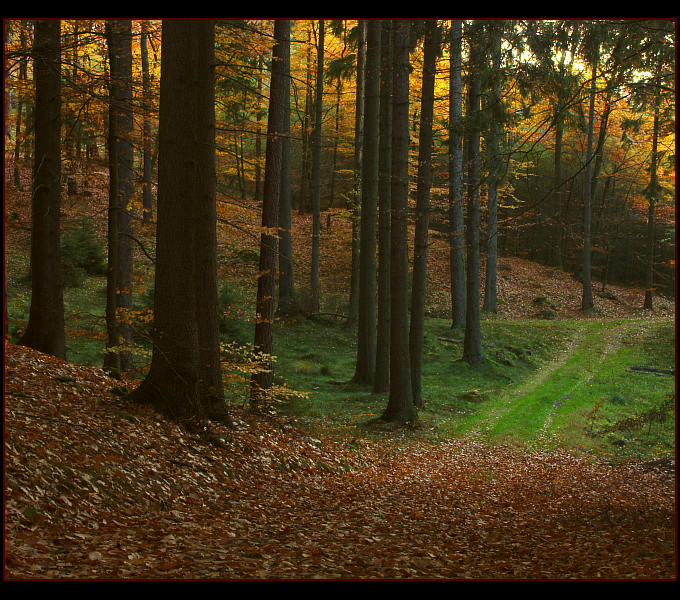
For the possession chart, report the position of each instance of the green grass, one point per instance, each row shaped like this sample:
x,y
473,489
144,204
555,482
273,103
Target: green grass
x,y
544,385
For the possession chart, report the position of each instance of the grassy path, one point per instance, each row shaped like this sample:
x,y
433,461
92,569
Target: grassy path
x,y
560,402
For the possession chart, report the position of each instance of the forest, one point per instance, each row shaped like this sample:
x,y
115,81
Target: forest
x,y
339,299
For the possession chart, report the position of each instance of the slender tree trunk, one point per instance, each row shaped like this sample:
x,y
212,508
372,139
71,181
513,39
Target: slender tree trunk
x,y
381,382
261,382
366,330
121,193
472,344
419,285
304,169
287,301
587,299
358,149
652,193
45,329
316,174
493,159
23,75
400,407
147,201
456,220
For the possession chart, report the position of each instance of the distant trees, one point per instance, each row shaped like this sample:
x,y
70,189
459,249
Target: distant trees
x,y
45,329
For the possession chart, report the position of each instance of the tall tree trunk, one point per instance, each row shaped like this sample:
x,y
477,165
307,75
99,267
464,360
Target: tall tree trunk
x,y
287,301
358,148
261,381
23,75
419,285
121,192
45,329
472,343
493,160
587,299
147,201
179,382
316,173
456,220
381,381
652,193
400,407
366,330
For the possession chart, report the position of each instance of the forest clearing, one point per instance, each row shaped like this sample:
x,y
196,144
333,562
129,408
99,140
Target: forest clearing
x,y
401,305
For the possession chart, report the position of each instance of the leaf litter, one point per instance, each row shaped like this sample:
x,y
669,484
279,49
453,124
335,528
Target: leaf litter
x,y
99,488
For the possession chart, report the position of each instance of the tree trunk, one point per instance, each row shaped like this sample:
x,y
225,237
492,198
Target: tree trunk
x,y
419,285
472,346
381,381
287,301
587,299
400,408
456,221
45,329
261,382
653,190
121,193
493,160
147,202
366,330
316,175
354,196
177,383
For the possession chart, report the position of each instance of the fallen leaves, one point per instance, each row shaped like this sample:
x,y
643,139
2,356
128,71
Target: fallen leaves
x,y
100,488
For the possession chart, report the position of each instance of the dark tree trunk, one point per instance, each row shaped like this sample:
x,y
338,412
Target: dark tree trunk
x,y
493,160
261,382
587,299
316,175
181,381
652,192
121,192
472,346
419,285
456,219
45,329
400,407
147,201
366,330
381,382
354,196
287,301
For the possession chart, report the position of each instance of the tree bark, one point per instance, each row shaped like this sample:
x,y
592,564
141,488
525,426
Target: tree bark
x,y
400,408
381,381
419,285
456,219
261,381
366,330
472,346
45,329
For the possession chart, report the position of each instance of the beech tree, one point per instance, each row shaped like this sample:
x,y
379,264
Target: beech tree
x,y
45,329
184,379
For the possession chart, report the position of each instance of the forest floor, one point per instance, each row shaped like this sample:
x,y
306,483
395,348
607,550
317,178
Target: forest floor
x,y
97,488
